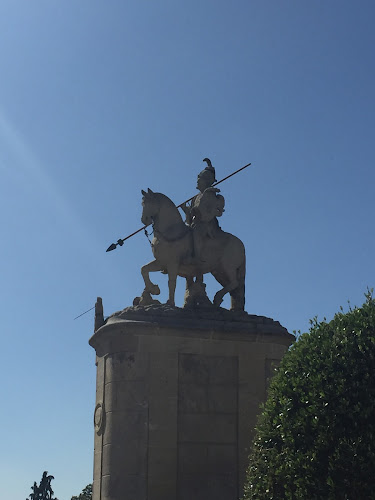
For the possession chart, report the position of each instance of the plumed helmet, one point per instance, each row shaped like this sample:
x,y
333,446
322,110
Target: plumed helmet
x,y
210,168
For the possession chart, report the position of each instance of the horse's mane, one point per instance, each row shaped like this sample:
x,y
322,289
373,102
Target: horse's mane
x,y
169,207
162,198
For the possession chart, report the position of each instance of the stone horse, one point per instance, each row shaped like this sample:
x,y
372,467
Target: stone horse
x,y
173,249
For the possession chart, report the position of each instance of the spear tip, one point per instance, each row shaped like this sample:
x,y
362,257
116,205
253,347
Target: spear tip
x,y
111,247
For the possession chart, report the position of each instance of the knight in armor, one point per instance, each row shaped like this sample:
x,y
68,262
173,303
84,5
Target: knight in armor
x,y
202,213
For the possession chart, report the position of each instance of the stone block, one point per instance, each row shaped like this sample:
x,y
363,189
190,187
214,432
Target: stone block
x,y
126,366
97,463
122,427
164,362
207,428
100,363
170,343
162,435
274,351
251,374
200,459
223,369
98,439
163,410
163,400
126,395
193,369
207,398
200,369
130,457
112,338
193,398
192,458
212,486
223,347
96,487
161,490
222,459
222,398
162,463
124,487
163,371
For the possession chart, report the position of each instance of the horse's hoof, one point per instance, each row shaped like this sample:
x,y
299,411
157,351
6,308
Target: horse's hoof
x,y
154,290
136,301
170,303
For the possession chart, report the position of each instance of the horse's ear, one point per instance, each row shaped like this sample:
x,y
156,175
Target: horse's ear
x,y
143,192
149,191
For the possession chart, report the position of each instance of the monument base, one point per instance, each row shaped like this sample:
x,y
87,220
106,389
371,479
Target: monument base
x,y
177,398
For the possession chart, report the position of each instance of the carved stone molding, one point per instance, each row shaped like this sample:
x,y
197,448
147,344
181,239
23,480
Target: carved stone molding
x,y
99,418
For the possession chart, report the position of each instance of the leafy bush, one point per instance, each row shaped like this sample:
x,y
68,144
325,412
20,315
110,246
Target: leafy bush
x,y
86,493
316,436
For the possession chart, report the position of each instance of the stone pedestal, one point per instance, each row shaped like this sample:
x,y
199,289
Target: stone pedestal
x,y
177,398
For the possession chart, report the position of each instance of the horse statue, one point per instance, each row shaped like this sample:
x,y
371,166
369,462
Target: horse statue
x,y
173,250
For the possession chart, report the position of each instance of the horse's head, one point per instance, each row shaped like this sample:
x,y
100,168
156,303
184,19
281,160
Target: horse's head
x,y
150,204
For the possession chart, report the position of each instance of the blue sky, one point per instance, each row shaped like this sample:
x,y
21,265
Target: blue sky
x,y
99,100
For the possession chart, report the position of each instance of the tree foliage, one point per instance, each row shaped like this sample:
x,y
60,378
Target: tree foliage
x,y
44,491
86,493
316,436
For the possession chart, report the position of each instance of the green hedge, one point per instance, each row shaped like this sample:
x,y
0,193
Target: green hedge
x,y
316,436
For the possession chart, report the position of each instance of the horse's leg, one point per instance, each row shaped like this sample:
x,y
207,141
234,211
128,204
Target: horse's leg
x,y
145,270
172,279
238,294
231,284
199,278
189,282
237,302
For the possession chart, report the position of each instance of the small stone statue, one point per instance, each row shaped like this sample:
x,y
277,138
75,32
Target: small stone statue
x,y
44,491
99,314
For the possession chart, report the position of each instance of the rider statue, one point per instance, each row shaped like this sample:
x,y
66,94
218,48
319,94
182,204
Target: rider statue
x,y
203,210
204,249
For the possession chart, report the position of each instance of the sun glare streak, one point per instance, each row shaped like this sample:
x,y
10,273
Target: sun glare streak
x,y
24,161
21,162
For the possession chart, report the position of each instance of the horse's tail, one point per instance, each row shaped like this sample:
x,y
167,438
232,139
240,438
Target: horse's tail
x,y
238,294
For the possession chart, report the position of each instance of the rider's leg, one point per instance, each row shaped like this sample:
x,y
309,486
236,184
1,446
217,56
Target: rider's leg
x,y
198,238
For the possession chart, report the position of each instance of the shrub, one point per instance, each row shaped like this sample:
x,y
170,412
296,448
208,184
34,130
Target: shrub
x,y
86,494
316,436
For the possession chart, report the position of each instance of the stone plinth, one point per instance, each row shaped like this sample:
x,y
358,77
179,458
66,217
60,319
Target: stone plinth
x,y
177,398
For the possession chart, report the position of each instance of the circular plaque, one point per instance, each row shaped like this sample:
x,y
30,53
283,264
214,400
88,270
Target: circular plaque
x,y
98,417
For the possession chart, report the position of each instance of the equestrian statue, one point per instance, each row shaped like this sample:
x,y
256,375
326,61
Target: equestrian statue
x,y
193,247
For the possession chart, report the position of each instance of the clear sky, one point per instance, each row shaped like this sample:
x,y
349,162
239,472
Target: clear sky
x,y
100,99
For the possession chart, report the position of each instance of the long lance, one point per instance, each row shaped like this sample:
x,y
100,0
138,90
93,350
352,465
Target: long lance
x,y
120,242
